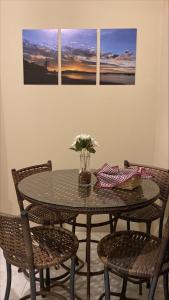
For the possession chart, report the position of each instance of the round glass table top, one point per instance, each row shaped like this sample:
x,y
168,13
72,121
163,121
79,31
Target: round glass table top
x,y
61,189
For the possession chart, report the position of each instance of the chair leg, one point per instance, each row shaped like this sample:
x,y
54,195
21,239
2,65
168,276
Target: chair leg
x,y
148,284
115,224
41,276
106,283
74,226
32,283
128,225
152,289
140,289
48,279
148,225
161,228
165,284
73,231
76,261
8,284
124,287
72,278
111,223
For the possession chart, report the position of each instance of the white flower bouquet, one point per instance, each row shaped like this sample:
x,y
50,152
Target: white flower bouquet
x,y
84,142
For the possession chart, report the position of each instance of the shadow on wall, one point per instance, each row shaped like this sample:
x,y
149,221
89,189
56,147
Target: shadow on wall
x,y
4,205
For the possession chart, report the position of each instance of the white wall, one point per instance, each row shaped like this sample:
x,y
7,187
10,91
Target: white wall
x,y
39,122
161,153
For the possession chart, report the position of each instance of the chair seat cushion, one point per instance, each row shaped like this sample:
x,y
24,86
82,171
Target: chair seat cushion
x,y
130,253
51,246
149,213
43,214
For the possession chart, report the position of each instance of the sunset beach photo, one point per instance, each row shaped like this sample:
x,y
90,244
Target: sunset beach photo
x,y
78,52
118,56
40,56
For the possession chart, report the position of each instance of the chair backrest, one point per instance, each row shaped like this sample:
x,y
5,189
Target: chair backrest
x,y
15,238
159,175
162,260
20,174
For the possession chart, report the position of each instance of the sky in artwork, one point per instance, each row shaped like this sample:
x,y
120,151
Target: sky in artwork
x,y
41,36
79,38
118,50
40,45
78,49
118,40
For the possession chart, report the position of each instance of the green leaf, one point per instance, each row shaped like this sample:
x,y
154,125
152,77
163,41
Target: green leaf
x,y
78,146
91,150
71,148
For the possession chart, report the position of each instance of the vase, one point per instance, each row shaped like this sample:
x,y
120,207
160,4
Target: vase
x,y
84,171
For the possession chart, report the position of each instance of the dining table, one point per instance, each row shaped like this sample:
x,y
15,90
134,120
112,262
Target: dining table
x,y
60,190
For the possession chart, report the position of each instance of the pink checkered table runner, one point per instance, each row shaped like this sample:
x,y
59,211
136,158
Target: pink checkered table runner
x,y
111,176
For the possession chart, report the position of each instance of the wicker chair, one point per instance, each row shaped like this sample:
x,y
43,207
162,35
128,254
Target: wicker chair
x,y
136,255
40,214
152,212
36,248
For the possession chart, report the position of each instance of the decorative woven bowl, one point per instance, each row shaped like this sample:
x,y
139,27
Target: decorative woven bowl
x,y
131,183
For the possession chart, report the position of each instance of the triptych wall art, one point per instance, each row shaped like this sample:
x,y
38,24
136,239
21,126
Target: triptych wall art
x,y
78,56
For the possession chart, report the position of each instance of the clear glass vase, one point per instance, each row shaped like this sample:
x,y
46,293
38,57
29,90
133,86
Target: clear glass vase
x,y
84,171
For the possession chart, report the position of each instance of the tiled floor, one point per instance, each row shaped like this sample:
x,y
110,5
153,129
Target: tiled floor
x,y
20,285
